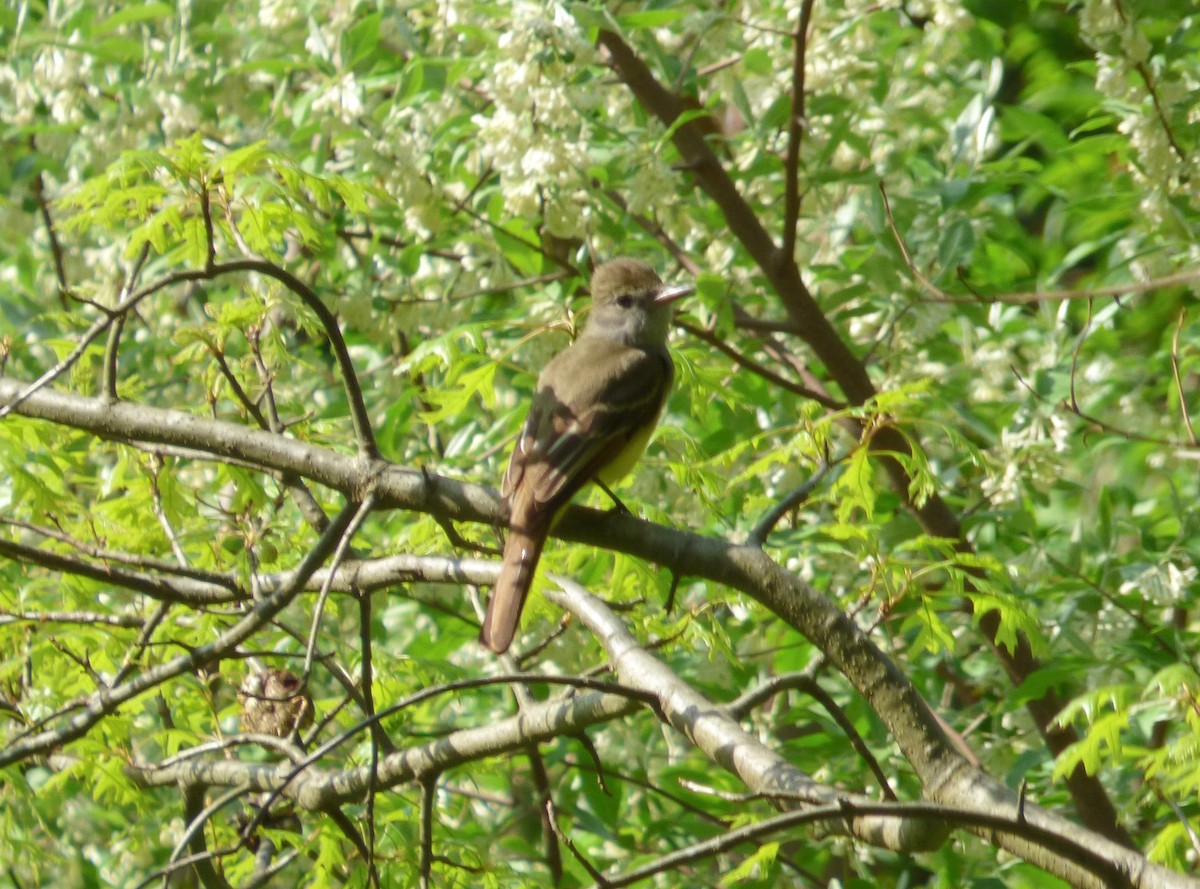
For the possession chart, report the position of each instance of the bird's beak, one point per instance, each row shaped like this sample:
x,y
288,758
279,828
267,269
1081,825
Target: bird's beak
x,y
673,292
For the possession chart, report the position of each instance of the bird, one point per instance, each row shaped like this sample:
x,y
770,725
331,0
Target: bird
x,y
275,702
593,411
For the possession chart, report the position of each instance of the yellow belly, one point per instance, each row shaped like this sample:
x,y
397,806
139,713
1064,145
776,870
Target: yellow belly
x,y
620,466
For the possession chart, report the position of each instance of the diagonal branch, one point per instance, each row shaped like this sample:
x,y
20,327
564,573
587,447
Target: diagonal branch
x,y
743,222
798,123
712,729
971,799
187,590
56,250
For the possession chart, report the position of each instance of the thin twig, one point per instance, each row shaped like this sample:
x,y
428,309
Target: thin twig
x,y
135,651
1095,422
107,555
164,589
309,507
193,835
359,418
754,367
796,127
108,373
342,820
1148,80
367,684
494,290
275,423
108,378
235,386
210,238
263,877
793,500
124,621
1183,407
551,815
364,509
164,522
56,251
1153,630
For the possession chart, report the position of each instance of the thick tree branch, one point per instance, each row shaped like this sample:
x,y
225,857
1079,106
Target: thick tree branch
x,y
315,788
745,568
970,798
717,734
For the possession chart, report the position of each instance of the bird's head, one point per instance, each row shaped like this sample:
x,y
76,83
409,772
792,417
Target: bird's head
x,y
631,304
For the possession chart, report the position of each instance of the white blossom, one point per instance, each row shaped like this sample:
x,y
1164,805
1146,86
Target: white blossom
x,y
343,96
1166,582
278,14
179,117
1097,18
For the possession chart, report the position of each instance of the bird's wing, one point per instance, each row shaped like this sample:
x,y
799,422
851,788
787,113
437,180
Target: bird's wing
x,y
572,432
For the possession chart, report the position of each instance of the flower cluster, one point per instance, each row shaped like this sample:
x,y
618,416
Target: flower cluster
x,y
1028,457
1151,98
535,134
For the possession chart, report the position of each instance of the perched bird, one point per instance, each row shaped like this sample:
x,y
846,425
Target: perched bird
x,y
274,703
593,413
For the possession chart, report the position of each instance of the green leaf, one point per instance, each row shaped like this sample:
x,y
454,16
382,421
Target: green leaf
x,y
651,18
756,864
956,245
476,383
855,487
362,39
248,158
132,15
117,50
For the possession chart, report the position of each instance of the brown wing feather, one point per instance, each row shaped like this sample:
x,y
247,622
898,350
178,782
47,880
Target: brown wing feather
x,y
578,428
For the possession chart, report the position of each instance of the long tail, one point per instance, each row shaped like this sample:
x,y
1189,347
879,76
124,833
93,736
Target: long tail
x,y
521,554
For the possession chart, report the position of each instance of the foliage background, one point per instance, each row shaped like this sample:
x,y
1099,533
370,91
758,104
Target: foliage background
x,y
442,175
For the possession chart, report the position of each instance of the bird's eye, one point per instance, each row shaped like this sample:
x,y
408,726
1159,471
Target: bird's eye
x,y
625,301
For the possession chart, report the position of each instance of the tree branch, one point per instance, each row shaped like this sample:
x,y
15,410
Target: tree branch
x,y
712,729
967,796
744,568
947,777
314,788
796,127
